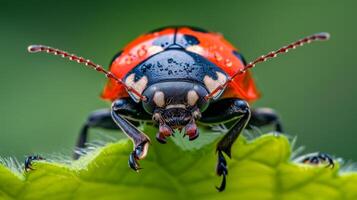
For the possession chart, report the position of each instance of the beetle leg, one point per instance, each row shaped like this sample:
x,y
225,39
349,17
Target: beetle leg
x,y
103,119
28,161
221,170
97,119
265,116
223,111
141,141
317,159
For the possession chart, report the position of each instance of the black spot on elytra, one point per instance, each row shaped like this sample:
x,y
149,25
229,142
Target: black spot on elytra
x,y
186,40
239,56
145,67
115,57
191,40
137,77
163,41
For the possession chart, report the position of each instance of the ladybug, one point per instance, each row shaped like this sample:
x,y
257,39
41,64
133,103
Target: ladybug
x,y
177,77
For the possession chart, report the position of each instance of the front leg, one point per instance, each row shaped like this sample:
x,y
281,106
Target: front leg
x,y
126,107
141,141
222,111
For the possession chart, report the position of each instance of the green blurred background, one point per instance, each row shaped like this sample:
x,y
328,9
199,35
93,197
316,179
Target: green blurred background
x,y
44,99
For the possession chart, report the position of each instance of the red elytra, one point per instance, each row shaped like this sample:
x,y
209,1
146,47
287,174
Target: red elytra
x,y
212,46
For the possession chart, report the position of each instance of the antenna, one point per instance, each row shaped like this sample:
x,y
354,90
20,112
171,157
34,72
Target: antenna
x,y
81,60
273,54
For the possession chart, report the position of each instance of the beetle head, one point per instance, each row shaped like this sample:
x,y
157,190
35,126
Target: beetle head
x,y
176,105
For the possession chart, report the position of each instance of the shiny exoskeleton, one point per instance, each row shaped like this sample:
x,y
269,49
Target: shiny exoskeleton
x,y
176,77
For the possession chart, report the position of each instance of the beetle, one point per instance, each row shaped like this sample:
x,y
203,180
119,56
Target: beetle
x,y
177,77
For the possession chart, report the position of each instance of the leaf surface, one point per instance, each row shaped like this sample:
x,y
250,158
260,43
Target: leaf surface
x,y
259,169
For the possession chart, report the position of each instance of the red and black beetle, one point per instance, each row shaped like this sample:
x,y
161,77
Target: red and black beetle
x,y
177,76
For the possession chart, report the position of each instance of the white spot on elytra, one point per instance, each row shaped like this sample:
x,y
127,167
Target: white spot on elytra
x,y
139,85
212,84
195,49
154,49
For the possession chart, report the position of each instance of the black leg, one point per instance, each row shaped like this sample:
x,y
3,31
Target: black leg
x,y
103,119
97,119
222,111
265,116
141,141
28,161
317,159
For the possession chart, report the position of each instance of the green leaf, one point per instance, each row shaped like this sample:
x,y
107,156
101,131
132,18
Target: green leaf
x,y
259,169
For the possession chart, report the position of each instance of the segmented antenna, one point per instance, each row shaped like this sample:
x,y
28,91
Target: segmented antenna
x,y
273,54
81,60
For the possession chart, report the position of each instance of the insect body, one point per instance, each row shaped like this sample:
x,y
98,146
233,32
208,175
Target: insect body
x,y
177,76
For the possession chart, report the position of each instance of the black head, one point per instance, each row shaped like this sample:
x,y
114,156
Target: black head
x,y
177,102
176,105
